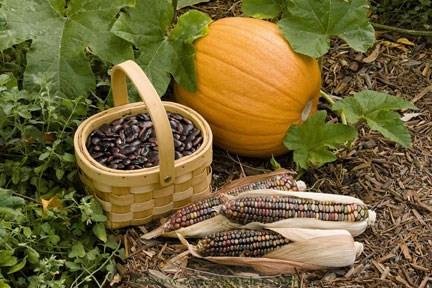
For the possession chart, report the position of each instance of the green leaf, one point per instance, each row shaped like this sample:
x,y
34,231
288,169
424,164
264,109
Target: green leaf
x,y
44,155
312,140
19,266
184,3
163,53
7,259
262,9
32,255
9,213
59,44
376,109
191,26
100,232
309,24
8,200
274,163
3,284
145,26
73,267
67,157
60,173
8,81
77,250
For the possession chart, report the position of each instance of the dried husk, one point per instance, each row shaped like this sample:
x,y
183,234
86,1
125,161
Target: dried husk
x,y
311,249
219,222
355,228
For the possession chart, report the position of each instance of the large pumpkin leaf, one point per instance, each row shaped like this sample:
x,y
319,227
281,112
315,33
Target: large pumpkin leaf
x,y
162,52
309,24
262,9
184,3
146,26
62,37
377,109
190,27
312,140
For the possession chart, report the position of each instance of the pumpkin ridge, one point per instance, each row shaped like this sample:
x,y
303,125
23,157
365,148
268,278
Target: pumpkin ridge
x,y
253,133
294,66
258,80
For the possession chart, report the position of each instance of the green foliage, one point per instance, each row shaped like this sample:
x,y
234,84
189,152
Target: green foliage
x,y
308,25
377,110
61,38
162,52
184,3
52,248
38,244
312,141
274,163
404,13
36,131
262,9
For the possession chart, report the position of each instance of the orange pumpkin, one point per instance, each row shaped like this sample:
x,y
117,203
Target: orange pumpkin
x,y
251,86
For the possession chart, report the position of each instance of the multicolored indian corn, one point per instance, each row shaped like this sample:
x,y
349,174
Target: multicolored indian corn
x,y
282,182
204,209
272,208
193,213
241,242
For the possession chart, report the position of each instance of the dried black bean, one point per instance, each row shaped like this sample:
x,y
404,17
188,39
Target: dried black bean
x,y
95,140
129,150
177,143
130,142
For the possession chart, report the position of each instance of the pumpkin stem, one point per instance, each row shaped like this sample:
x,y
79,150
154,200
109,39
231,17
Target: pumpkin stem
x,y
330,100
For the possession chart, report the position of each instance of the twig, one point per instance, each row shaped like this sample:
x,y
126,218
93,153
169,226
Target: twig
x,y
247,166
331,102
241,166
25,197
402,30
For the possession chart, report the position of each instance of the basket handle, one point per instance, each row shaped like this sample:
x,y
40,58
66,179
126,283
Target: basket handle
x,y
155,108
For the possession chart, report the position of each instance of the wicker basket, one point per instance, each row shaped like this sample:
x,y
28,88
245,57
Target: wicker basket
x,y
136,197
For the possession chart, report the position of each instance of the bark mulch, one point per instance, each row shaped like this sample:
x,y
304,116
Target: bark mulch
x,y
395,182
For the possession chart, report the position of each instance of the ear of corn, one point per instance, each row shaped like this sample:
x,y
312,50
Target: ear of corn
x,y
282,250
194,219
280,180
270,208
241,242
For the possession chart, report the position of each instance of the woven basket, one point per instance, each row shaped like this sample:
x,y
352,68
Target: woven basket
x,y
136,197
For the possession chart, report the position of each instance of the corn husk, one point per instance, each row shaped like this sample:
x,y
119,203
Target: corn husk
x,y
219,222
355,228
311,249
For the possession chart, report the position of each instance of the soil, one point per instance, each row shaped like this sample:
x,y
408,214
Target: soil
x,y
393,181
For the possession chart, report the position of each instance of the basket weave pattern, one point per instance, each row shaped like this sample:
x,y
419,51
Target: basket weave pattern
x,y
135,197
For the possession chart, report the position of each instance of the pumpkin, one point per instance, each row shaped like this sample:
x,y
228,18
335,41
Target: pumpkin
x,y
251,85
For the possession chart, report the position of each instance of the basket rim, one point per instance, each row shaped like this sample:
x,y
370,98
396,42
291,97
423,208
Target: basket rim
x,y
82,152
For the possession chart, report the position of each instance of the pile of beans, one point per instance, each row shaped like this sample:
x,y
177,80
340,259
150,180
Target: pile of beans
x,y
130,142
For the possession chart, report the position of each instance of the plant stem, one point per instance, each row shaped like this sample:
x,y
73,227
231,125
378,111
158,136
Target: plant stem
x,y
402,30
327,97
330,100
75,284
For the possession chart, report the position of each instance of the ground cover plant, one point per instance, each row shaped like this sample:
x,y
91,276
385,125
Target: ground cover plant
x,y
54,64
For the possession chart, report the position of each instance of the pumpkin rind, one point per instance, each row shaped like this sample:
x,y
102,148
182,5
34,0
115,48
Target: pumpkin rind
x,y
251,85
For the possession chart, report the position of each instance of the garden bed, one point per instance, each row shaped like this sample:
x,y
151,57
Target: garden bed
x,y
395,182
